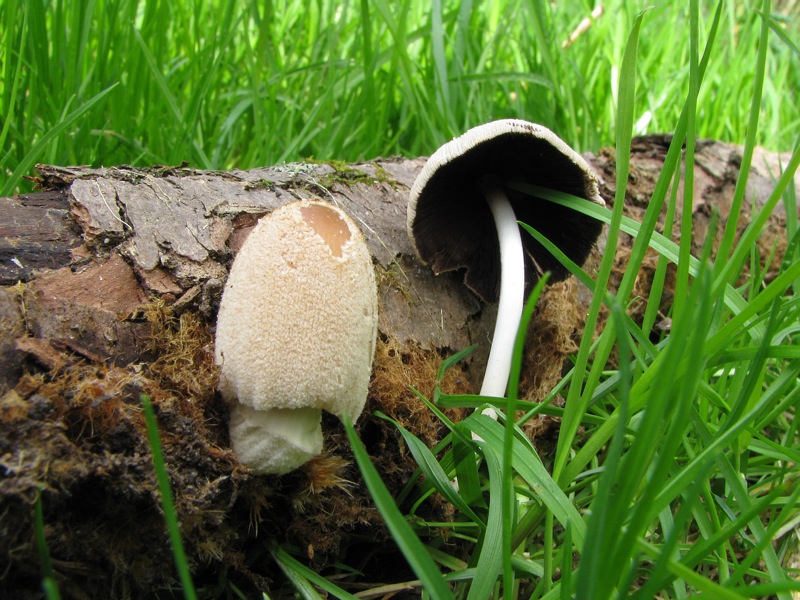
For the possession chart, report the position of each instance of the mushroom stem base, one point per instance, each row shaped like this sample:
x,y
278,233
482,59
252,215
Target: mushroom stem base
x,y
275,441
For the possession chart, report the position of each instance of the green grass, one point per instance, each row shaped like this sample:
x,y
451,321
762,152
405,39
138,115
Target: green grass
x,y
49,585
676,471
247,84
168,501
682,490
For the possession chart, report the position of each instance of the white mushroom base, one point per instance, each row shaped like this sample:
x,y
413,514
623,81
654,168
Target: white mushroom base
x,y
275,441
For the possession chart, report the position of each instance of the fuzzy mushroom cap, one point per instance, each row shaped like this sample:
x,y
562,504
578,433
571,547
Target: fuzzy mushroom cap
x,y
451,225
297,322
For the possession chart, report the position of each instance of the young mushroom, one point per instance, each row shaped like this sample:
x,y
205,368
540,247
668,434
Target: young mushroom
x,y
295,333
462,214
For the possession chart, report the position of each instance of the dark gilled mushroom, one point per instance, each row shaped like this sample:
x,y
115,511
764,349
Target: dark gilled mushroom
x,y
462,214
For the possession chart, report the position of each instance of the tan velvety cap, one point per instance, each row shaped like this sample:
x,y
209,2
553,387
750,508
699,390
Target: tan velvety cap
x,y
298,318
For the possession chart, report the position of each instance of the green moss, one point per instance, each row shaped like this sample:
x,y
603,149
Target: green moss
x,y
383,176
393,276
259,184
345,174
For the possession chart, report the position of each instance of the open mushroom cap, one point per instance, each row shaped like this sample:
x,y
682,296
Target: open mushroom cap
x,y
449,220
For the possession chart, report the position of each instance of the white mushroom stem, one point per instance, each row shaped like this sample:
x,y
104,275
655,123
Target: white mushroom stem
x,y
512,294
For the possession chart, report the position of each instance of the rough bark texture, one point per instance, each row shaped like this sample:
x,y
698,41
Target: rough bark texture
x,y
111,279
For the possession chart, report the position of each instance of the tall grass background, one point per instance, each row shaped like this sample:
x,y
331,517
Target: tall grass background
x,y
252,83
675,473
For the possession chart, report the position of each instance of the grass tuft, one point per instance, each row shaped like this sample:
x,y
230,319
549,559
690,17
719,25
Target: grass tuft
x,y
249,84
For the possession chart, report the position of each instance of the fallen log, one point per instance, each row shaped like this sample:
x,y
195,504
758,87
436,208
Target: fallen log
x,y
111,279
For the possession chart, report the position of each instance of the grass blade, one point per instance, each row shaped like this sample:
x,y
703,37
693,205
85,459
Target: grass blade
x,y
489,564
507,469
167,501
434,474
606,522
49,585
729,234
405,538
530,467
304,578
665,247
690,108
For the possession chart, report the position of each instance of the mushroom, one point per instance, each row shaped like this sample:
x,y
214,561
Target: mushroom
x,y
462,214
296,333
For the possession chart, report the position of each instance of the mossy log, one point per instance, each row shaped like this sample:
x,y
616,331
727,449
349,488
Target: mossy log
x,y
111,279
